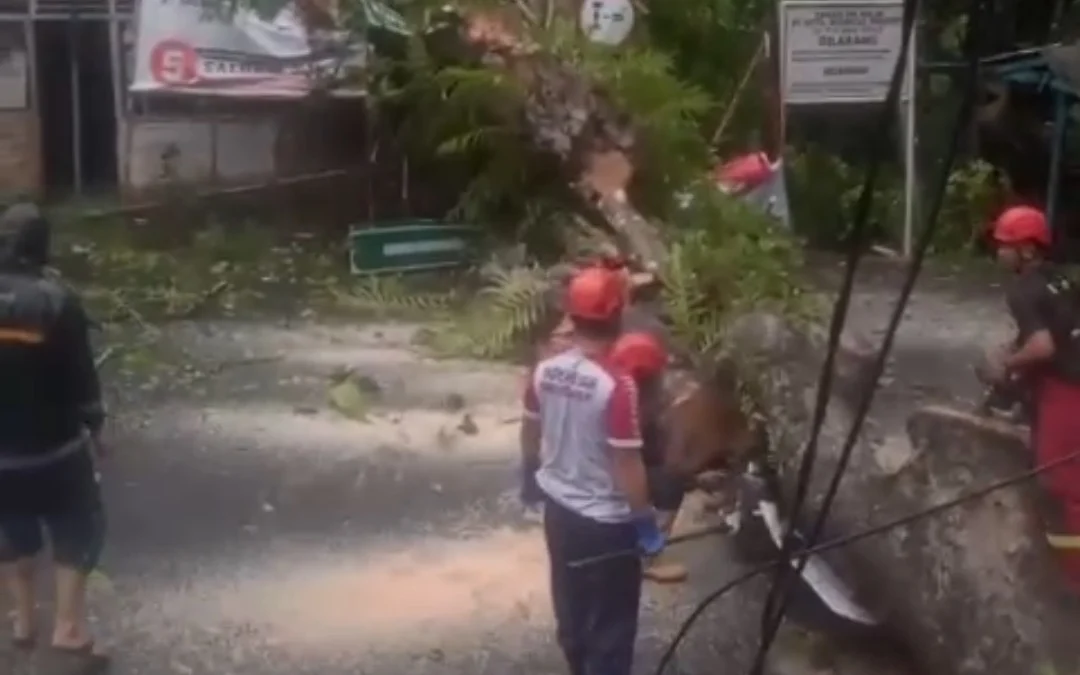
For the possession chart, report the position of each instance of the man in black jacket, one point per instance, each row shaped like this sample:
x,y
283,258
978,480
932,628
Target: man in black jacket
x,y
50,420
1044,359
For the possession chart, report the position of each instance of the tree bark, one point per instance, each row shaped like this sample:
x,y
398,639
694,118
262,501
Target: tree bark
x,y
570,119
973,590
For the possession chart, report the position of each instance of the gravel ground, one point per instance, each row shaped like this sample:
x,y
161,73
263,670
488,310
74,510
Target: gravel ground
x,y
256,532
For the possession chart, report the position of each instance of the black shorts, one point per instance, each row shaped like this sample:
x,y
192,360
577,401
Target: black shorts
x,y
62,500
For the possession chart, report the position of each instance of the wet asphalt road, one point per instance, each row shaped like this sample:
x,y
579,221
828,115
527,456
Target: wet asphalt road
x,y
256,532
253,530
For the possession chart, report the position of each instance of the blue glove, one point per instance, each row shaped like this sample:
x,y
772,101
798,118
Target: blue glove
x,y
531,494
650,540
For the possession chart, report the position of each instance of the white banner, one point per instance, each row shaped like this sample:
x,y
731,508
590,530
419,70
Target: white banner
x,y
198,47
756,180
843,51
771,195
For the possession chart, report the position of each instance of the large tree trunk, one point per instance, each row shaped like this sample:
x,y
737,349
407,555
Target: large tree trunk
x,y
998,597
972,590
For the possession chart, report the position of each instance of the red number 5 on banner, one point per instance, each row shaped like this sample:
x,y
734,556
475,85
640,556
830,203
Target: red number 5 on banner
x,y
173,62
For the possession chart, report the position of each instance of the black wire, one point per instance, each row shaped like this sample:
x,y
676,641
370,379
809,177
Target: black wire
x,y
925,239
847,540
857,237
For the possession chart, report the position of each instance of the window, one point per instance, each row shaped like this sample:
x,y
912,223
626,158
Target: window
x,y
14,66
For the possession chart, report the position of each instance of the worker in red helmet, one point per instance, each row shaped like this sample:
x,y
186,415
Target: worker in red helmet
x,y
1045,358
561,336
582,457
644,357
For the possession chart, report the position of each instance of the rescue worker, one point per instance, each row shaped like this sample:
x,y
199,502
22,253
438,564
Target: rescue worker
x,y
582,456
50,423
1046,358
561,336
643,357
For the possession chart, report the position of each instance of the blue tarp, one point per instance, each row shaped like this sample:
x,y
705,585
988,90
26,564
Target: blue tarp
x,y
1053,67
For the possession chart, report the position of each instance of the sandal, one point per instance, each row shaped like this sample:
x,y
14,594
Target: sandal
x,y
92,663
24,643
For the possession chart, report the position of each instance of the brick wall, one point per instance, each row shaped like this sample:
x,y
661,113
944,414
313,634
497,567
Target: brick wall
x,y
20,152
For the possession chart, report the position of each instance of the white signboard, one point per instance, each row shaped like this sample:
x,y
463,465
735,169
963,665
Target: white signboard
x,y
840,51
195,47
607,22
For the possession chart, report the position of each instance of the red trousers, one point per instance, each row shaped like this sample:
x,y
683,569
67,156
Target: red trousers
x,y
1056,435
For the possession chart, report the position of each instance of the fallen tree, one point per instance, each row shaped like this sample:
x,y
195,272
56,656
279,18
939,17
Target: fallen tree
x,y
970,591
975,589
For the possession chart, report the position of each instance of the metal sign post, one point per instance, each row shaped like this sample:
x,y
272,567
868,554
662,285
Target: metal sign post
x,y
911,176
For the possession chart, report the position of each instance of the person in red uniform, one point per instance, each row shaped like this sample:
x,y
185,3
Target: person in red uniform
x,y
1046,358
582,457
644,357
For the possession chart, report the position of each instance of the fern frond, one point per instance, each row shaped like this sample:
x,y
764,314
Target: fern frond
x,y
389,294
505,313
471,140
473,88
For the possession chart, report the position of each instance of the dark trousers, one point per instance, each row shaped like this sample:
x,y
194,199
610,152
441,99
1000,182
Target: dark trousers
x,y
596,606
62,499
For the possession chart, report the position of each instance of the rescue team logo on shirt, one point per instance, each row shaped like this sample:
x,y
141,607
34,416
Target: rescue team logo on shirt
x,y
568,383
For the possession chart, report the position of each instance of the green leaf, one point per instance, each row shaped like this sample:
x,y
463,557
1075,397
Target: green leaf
x,y
350,400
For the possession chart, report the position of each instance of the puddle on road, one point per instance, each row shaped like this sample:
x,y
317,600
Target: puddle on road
x,y
419,596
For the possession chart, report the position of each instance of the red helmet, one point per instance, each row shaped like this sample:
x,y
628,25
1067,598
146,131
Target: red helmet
x,y
1022,225
640,355
596,294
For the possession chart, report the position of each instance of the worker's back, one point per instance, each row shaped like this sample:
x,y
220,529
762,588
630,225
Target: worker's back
x,y
39,397
574,395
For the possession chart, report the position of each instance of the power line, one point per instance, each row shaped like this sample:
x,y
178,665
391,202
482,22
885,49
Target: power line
x,y
856,241
784,582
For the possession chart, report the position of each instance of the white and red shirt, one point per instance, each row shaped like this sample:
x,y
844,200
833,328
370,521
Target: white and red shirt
x,y
586,409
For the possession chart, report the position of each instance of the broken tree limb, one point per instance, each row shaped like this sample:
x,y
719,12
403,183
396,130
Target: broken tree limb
x,y
571,120
736,97
202,301
104,356
636,234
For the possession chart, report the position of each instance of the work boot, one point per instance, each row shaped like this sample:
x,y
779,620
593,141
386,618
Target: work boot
x,y
656,568
661,572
